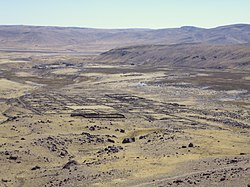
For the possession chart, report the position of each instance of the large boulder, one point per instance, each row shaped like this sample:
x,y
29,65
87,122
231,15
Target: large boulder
x,y
70,164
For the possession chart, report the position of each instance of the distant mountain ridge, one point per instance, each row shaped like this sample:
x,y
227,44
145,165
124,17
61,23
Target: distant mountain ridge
x,y
100,40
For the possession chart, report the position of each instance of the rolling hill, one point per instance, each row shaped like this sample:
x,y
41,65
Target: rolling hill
x,y
182,55
99,40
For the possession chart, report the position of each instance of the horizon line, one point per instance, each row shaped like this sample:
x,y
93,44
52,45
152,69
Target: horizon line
x,y
122,28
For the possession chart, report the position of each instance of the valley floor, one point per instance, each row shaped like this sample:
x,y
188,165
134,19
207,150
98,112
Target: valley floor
x,y
67,123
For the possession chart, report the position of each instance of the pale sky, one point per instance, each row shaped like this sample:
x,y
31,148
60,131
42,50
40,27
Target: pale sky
x,y
125,13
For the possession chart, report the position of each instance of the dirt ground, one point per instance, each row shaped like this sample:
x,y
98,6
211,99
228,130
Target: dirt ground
x,y
66,121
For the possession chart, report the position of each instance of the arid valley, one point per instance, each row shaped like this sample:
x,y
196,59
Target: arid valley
x,y
151,114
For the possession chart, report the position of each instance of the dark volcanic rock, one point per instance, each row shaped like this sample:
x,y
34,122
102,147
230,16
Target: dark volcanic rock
x,y
128,140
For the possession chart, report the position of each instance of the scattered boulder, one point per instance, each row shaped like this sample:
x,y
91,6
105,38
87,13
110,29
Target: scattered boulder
x,y
91,128
222,179
36,168
70,164
190,145
142,137
110,140
128,140
13,158
113,149
63,153
110,149
7,153
5,180
120,130
178,181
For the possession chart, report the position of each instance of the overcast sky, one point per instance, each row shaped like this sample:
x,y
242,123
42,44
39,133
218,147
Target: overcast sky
x,y
125,13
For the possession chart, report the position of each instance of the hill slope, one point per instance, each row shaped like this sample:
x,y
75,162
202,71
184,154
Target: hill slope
x,y
183,55
86,39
